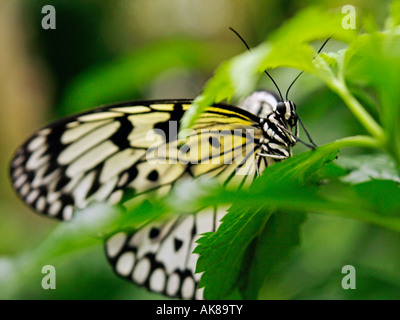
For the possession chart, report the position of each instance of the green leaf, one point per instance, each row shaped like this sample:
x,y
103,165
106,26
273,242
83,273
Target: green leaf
x,y
394,18
288,46
332,171
374,60
383,196
217,89
368,167
351,201
222,252
275,243
311,24
84,231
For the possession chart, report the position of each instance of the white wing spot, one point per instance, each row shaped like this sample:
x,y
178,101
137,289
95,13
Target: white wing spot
x,y
125,263
115,244
41,203
119,162
44,132
37,158
79,130
105,190
134,109
55,208
68,212
36,143
75,149
141,271
115,197
99,116
200,294
70,186
173,284
25,189
157,280
72,124
91,158
82,189
53,196
32,196
162,107
38,179
20,181
123,179
188,288
18,171
18,160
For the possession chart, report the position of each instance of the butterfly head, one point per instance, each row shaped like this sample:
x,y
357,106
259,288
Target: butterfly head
x,y
284,116
286,111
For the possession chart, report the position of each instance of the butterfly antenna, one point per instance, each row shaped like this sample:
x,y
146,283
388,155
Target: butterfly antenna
x,y
287,95
287,92
305,130
295,79
248,48
313,146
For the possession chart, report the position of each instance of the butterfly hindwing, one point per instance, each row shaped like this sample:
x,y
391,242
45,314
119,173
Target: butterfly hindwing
x,y
159,256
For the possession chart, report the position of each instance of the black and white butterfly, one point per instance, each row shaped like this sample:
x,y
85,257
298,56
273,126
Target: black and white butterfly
x,y
133,149
100,155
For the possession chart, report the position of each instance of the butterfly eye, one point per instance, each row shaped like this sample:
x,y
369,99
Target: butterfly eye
x,y
281,108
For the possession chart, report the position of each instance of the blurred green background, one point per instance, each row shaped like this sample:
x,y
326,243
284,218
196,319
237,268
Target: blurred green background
x,y
108,51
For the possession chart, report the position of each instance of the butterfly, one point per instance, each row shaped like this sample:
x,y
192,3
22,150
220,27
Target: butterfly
x,y
132,150
103,154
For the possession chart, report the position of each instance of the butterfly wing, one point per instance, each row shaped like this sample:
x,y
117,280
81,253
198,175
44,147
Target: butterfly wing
x,y
101,154
133,149
159,256
261,103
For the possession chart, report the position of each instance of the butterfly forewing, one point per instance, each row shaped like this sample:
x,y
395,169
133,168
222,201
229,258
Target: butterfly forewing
x,y
99,155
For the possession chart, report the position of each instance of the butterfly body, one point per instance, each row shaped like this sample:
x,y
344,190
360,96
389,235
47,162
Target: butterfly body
x,y
278,119
100,155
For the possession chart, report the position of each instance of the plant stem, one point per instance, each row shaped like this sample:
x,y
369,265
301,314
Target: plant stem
x,y
354,141
359,112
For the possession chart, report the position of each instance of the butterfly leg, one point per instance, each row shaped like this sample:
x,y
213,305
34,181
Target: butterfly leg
x,y
257,157
273,156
